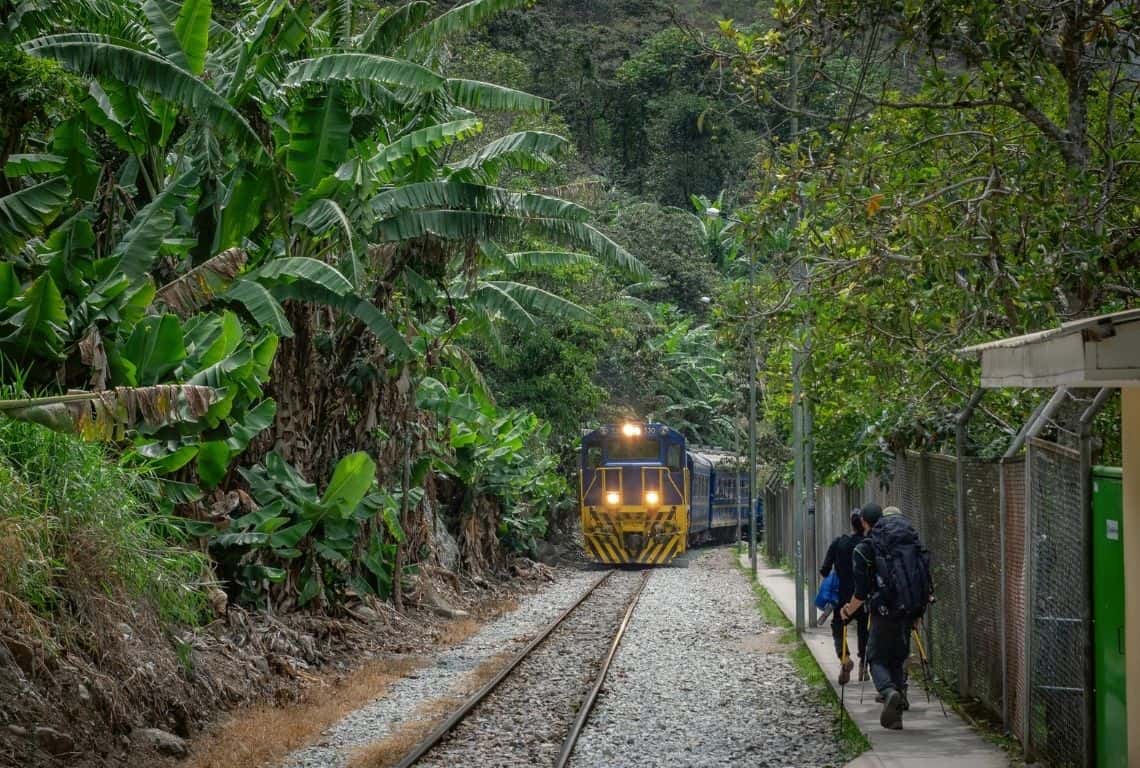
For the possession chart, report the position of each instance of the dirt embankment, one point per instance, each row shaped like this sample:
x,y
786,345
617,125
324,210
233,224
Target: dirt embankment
x,y
115,688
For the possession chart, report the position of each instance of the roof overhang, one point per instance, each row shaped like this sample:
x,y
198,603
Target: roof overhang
x,y
1099,351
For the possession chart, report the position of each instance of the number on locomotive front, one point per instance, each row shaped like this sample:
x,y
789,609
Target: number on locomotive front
x,y
634,493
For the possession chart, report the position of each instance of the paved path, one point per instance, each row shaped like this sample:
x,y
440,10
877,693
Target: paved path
x,y
928,740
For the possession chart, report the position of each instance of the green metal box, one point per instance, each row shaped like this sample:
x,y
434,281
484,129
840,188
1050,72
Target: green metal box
x,y
1108,618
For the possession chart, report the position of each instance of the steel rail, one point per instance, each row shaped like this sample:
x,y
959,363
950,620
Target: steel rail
x,y
591,697
423,746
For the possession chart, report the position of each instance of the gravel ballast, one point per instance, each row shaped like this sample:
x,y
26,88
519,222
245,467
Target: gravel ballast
x,y
446,677
523,722
701,680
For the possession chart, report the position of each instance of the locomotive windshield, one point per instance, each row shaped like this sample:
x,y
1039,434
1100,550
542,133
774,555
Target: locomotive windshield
x,y
633,449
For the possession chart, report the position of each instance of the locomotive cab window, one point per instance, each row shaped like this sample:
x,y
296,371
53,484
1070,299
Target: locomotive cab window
x,y
594,456
673,458
637,449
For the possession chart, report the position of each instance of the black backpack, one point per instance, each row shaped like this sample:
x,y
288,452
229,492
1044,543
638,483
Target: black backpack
x,y
902,587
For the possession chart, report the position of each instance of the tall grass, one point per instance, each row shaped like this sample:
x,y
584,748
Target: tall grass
x,y
73,522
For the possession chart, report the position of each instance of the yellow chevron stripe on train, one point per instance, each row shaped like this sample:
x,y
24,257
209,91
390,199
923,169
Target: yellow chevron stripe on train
x,y
646,498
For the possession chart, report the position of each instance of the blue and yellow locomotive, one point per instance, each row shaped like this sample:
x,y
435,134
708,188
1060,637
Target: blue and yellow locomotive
x,y
645,498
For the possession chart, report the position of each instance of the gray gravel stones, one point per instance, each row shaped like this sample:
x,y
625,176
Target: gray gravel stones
x,y
700,681
448,676
523,722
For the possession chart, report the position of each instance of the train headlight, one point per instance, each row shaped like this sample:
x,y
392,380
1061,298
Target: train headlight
x,y
631,430
613,498
652,498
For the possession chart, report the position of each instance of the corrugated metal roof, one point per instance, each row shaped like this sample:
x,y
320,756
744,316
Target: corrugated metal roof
x,y
1071,327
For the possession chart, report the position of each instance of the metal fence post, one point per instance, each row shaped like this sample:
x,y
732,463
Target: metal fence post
x,y
960,435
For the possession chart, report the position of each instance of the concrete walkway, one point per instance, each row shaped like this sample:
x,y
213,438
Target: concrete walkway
x,y
928,740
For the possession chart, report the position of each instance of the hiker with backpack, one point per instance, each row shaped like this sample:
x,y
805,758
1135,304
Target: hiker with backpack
x,y
892,577
839,557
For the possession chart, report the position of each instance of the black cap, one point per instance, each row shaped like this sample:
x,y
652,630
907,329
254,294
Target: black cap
x,y
871,512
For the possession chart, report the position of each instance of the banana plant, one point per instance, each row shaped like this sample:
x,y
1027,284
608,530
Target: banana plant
x,y
313,545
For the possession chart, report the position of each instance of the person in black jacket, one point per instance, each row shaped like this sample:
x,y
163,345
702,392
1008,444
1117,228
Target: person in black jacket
x,y
890,637
839,557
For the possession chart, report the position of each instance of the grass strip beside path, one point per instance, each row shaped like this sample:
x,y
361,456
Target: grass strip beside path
x,y
852,740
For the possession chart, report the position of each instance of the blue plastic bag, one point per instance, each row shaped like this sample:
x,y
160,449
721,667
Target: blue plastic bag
x,y
828,592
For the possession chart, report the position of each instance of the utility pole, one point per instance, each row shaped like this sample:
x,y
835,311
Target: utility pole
x,y
751,411
803,475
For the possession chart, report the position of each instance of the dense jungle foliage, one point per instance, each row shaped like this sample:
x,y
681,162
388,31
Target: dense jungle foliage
x,y
336,283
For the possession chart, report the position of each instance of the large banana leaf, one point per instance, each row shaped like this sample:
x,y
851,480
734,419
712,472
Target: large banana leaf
x,y
475,94
25,213
526,150
363,67
27,164
292,269
99,56
193,31
319,138
139,248
322,216
261,305
461,195
182,30
433,395
537,261
155,348
37,322
351,304
386,31
107,415
478,225
492,298
404,151
537,300
458,20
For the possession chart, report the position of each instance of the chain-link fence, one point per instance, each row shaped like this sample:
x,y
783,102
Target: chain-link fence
x,y
983,581
1014,713
1021,645
1059,644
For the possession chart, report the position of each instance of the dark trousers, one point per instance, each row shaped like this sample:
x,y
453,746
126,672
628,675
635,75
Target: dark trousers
x,y
838,627
888,650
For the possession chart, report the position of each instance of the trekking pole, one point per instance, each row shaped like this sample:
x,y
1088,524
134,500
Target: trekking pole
x,y
843,663
863,683
925,664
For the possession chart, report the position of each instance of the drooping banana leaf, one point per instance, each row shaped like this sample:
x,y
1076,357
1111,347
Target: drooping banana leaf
x,y
36,322
104,57
195,289
25,213
109,414
526,150
475,94
363,67
458,20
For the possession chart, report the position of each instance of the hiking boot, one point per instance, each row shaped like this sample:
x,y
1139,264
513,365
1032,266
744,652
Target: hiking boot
x,y
845,671
905,701
891,717
864,673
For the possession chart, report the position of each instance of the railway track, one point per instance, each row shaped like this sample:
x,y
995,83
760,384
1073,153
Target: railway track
x,y
531,712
